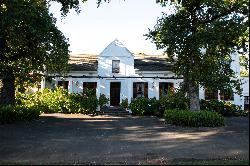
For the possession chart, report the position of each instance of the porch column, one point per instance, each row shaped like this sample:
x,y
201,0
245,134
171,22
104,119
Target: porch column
x,y
43,83
130,89
157,89
98,89
70,86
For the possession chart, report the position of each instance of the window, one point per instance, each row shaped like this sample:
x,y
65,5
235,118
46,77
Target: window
x,y
246,103
140,89
115,66
211,94
226,95
165,88
246,100
63,84
90,86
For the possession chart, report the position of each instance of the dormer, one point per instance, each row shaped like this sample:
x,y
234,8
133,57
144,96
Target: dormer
x,y
115,60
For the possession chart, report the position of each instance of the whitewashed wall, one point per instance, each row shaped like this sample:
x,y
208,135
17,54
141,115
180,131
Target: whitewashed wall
x,y
116,51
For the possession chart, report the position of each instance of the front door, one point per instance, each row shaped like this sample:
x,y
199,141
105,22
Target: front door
x,y
115,88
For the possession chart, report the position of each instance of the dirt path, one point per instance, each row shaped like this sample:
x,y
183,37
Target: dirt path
x,y
59,138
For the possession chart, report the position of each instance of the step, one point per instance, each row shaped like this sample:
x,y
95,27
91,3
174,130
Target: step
x,y
117,113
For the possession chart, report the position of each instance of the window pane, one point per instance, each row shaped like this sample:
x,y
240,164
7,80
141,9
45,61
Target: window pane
x,y
246,103
211,94
64,84
226,95
115,66
165,88
90,86
140,89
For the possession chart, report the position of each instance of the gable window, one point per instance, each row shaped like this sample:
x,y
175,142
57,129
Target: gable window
x,y
211,94
140,89
165,88
90,86
63,84
115,66
226,95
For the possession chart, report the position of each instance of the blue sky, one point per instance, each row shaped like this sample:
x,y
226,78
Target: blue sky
x,y
94,28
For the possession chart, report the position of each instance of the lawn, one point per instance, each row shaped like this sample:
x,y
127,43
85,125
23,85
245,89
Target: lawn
x,y
209,162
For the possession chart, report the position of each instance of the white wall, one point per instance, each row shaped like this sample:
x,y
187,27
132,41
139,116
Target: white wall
x,y
116,51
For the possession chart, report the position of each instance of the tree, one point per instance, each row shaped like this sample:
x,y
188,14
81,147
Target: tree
x,y
200,37
244,66
30,43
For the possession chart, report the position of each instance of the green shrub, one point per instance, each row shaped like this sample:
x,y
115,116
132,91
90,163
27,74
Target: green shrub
x,y
172,101
193,119
9,114
60,101
103,100
153,107
124,103
222,107
143,106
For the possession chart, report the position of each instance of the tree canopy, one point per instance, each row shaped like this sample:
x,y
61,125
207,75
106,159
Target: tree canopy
x,y
30,42
200,37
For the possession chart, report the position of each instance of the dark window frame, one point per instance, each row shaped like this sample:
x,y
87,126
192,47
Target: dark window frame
x,y
167,86
115,69
246,103
211,94
89,85
226,95
64,84
144,89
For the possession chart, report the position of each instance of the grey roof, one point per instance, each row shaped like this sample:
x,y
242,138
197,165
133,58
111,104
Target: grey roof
x,y
152,64
84,67
142,62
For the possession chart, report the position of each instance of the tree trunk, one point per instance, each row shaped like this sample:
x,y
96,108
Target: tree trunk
x,y
193,90
7,89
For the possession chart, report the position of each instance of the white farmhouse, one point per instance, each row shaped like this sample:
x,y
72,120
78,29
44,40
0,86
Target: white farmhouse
x,y
119,74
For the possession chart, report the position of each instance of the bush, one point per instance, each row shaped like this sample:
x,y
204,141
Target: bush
x,y
103,100
124,103
193,119
9,114
82,103
222,107
60,101
143,106
172,101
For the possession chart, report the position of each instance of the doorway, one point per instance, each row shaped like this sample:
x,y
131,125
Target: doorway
x,y
115,89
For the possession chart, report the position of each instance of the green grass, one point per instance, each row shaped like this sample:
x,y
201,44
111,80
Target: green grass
x,y
209,162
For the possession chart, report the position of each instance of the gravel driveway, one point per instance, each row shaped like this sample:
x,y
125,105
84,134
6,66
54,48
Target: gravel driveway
x,y
70,139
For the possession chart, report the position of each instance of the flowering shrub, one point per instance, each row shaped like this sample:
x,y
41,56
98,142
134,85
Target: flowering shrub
x,y
59,100
143,106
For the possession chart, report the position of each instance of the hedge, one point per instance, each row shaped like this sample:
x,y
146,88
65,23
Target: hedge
x,y
193,119
9,114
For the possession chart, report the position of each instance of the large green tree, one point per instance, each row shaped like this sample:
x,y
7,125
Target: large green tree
x,y
30,44
200,37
